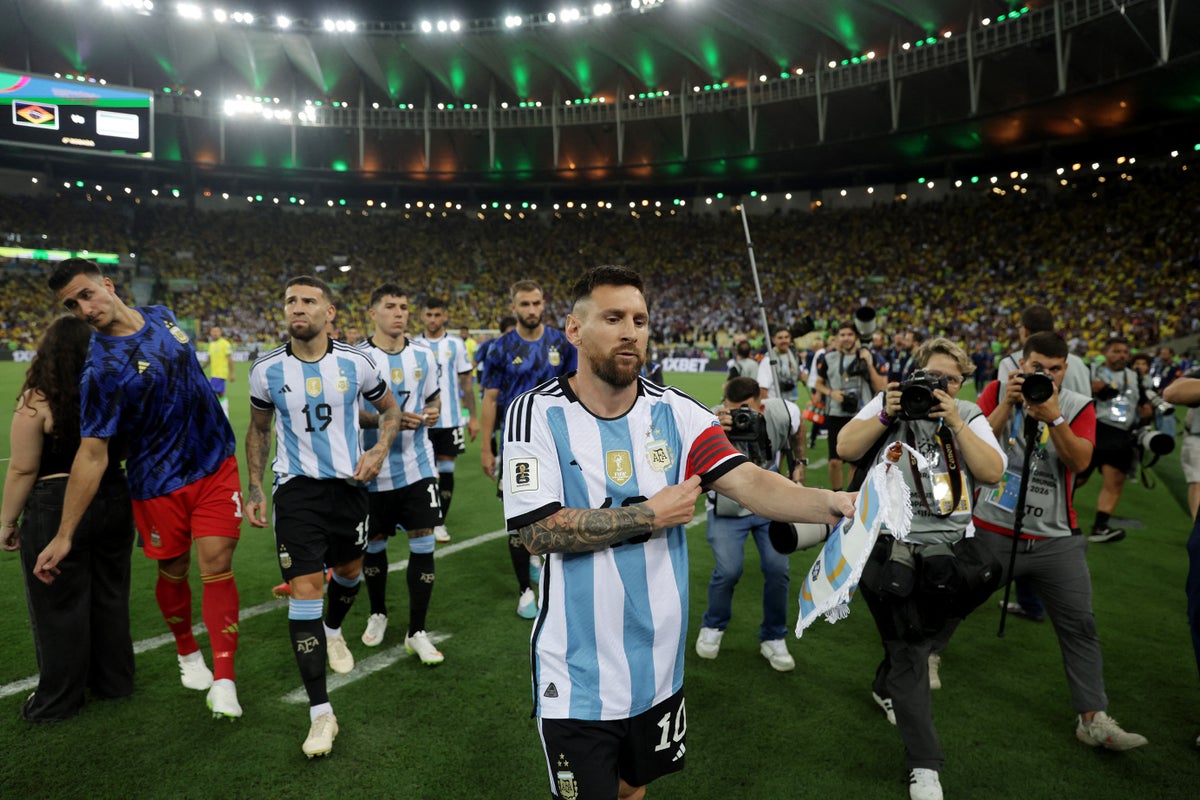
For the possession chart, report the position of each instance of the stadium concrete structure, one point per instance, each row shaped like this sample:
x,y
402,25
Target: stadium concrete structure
x,y
480,101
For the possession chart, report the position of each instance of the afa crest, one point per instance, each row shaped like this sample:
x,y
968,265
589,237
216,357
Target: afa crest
x,y
418,373
659,455
553,356
179,335
619,466
568,789
312,387
342,384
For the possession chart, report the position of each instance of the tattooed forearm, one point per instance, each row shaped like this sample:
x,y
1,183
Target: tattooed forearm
x,y
582,530
389,424
258,445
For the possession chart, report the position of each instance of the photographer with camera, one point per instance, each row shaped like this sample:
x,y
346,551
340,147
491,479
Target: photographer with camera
x,y
763,431
846,378
1119,405
779,370
1048,554
919,589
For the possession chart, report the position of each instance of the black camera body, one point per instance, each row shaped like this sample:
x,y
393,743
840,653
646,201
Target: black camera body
x,y
858,368
1037,388
850,401
744,422
916,394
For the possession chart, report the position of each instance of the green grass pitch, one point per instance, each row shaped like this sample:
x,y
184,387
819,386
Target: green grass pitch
x,y
463,729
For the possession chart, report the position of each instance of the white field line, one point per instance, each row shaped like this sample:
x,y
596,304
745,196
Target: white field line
x,y
30,683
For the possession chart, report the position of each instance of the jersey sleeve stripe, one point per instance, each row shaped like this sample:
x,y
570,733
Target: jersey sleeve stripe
x,y
710,448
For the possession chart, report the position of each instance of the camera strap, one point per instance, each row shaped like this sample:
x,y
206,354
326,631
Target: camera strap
x,y
949,451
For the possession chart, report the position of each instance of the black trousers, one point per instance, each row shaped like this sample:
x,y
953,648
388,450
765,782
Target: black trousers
x,y
81,621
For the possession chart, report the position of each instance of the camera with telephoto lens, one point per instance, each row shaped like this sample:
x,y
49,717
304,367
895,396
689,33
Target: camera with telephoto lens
x,y
850,401
916,394
1160,405
1037,388
1147,439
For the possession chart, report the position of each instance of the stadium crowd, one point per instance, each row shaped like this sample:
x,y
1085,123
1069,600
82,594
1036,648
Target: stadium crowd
x,y
1119,257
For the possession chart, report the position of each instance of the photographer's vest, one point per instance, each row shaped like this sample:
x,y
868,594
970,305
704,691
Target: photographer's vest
x,y
836,364
938,516
1120,411
1048,498
744,368
779,432
1191,422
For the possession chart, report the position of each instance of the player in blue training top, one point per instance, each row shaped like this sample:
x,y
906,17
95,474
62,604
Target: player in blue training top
x,y
454,371
602,470
312,386
143,384
404,496
517,361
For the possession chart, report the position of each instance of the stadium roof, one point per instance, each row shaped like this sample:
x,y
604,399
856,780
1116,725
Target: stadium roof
x,y
1114,79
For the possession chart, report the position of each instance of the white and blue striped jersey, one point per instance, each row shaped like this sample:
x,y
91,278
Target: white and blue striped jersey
x,y
609,640
412,377
452,361
316,408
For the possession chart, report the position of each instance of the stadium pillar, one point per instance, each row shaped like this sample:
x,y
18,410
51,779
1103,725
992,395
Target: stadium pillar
x,y
685,124
751,112
974,68
554,131
1062,47
822,100
428,101
1164,33
893,84
491,122
620,128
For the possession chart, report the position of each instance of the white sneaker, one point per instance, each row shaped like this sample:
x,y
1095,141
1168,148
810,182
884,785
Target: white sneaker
x,y
440,534
194,673
376,625
223,701
321,733
776,652
935,680
924,784
1104,731
527,605
420,645
708,643
886,704
341,660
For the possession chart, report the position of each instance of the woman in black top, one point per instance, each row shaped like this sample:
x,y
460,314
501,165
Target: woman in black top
x,y
81,620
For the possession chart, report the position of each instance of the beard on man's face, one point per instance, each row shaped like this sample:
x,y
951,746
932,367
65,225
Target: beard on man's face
x,y
613,373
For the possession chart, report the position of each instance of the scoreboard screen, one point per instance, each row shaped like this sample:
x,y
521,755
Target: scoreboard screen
x,y
36,111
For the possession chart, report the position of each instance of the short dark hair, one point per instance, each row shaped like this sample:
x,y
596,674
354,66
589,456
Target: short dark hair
x,y
309,280
1046,343
523,286
846,326
1037,319
1115,340
606,275
739,390
434,302
65,270
776,329
385,290
1143,356
507,321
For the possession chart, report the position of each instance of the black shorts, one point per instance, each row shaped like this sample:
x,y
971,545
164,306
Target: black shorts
x,y
318,524
448,441
413,508
834,425
588,758
1114,448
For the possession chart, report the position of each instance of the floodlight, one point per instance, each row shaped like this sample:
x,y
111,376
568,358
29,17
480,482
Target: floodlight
x,y
283,22
219,15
